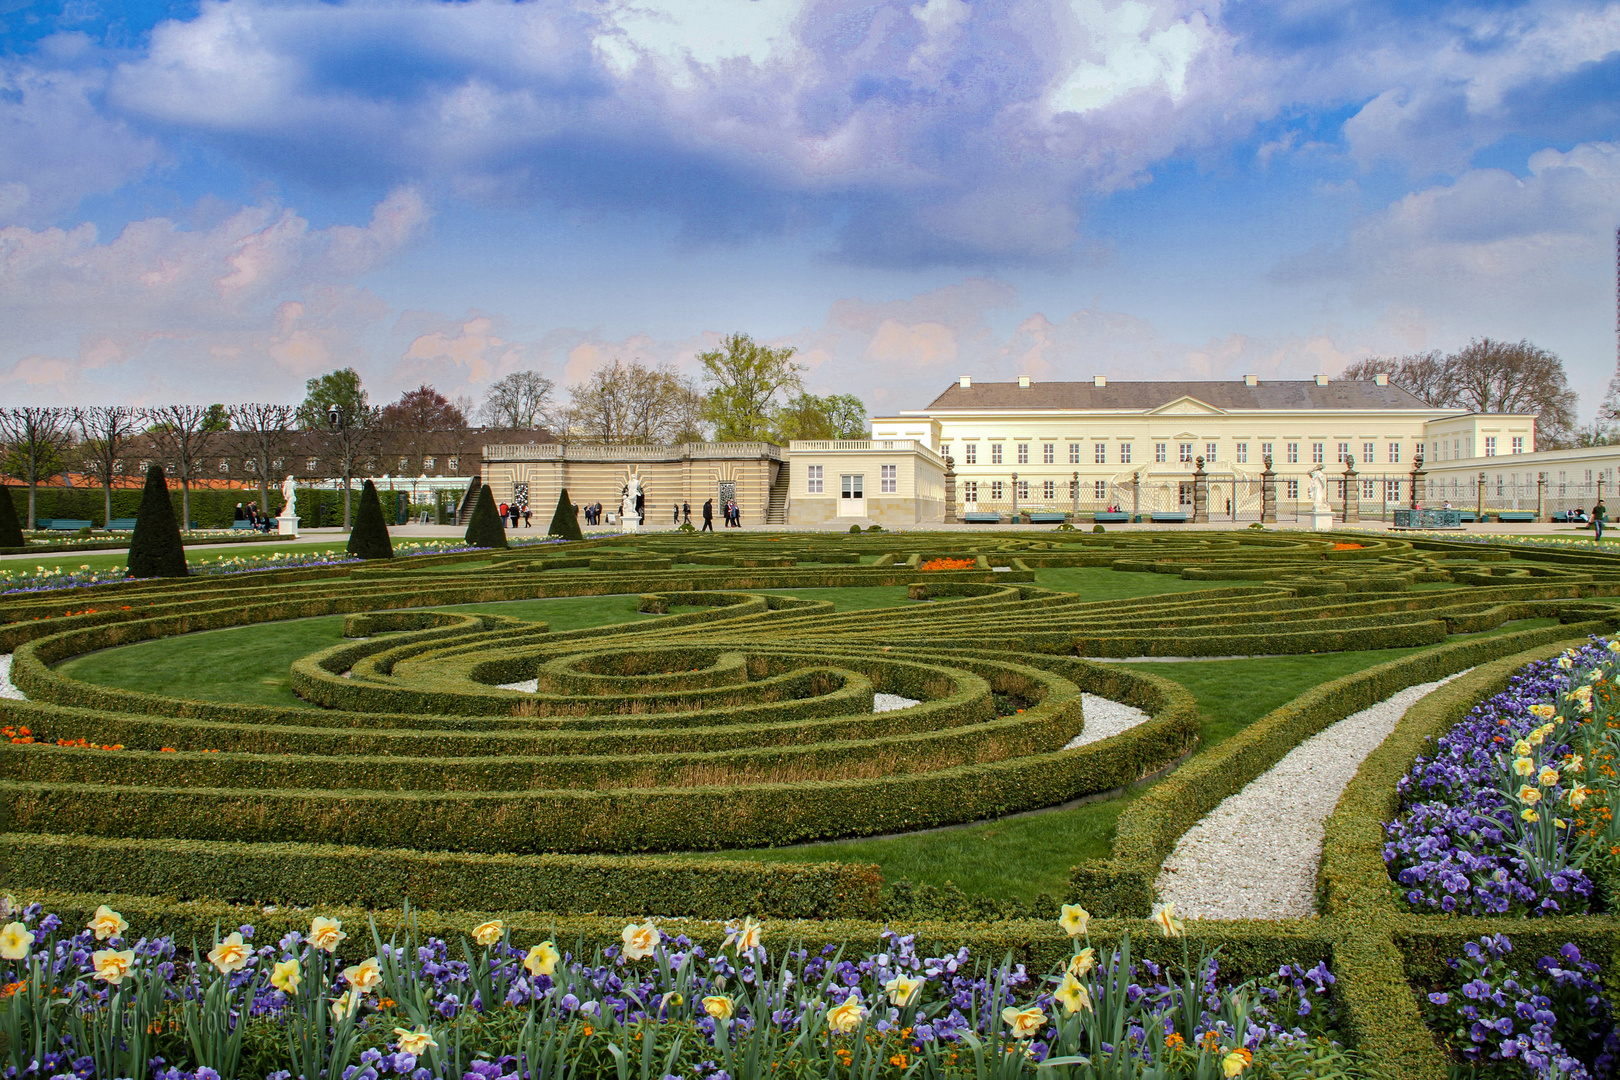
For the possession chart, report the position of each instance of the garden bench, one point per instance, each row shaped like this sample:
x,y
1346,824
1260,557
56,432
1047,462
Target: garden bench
x,y
121,525
64,524
1466,515
1160,517
241,525
1047,517
1109,517
982,517
1507,516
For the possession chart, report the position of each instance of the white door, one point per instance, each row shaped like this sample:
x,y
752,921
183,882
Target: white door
x,y
852,495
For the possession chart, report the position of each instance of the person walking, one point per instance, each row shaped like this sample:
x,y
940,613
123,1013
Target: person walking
x,y
526,523
686,513
708,516
1599,513
677,519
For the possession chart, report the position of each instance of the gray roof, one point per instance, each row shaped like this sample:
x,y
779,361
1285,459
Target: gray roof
x,y
1144,396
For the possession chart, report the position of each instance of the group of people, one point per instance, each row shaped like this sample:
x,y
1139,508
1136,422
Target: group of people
x,y
513,511
250,513
593,513
683,515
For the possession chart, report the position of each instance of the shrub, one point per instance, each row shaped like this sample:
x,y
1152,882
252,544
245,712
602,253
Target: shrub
x,y
369,538
10,528
854,528
874,528
155,549
485,530
565,522
1098,529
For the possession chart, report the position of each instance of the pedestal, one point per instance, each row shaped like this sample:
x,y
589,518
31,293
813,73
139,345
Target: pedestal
x,y
287,525
1321,520
630,522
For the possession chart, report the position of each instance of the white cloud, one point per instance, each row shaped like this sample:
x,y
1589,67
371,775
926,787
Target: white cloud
x,y
1129,52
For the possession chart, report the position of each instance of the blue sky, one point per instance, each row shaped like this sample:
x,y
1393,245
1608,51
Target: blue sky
x,y
215,201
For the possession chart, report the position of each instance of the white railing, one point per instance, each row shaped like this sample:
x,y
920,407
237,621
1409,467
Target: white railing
x,y
588,452
864,446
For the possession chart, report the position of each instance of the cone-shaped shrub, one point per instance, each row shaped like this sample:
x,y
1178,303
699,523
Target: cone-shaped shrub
x,y
565,522
155,550
369,537
10,528
485,529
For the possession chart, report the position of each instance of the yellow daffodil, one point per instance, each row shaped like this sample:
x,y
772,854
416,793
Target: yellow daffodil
x,y
1613,645
847,1017
1578,794
488,933
286,977
326,934
745,936
1574,763
1025,1023
1235,1062
902,989
365,976
1082,962
640,941
1165,916
1543,711
345,1005
1074,920
1072,994
15,941
719,1006
1523,748
1524,766
415,1043
230,955
1529,815
1530,795
106,923
111,965
1565,662
542,959
1548,776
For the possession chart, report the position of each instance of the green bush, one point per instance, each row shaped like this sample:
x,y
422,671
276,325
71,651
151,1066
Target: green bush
x,y
155,549
854,528
565,521
486,528
1098,529
369,537
11,535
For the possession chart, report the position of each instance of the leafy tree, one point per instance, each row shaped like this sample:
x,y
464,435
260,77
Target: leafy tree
x,y
565,522
217,419
806,416
369,538
11,534
486,529
520,400
746,379
105,432
630,403
36,441
155,549
418,420
355,433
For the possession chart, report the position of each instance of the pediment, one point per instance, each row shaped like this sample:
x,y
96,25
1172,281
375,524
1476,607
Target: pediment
x,y
1187,404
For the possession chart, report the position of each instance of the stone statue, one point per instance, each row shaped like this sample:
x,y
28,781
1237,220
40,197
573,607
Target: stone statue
x,y
1319,503
289,495
629,507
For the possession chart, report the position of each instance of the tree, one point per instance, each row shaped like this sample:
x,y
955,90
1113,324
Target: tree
x,y
37,439
335,403
105,432
266,430
746,378
565,522
185,435
339,389
486,529
418,420
520,400
369,538
631,403
1426,375
155,550
806,416
11,534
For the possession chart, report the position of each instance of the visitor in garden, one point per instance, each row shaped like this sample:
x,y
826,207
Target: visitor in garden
x,y
677,513
686,513
516,512
526,515
241,514
708,516
1599,513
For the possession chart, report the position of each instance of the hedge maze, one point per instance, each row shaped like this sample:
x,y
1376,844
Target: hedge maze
x,y
481,762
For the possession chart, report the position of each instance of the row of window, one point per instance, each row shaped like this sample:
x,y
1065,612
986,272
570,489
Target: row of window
x,y
997,490
853,485
1186,451
313,465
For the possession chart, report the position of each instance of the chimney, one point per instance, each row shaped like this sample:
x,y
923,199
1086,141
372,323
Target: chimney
x,y
1381,379
1099,380
1251,380
1023,382
964,382
1321,380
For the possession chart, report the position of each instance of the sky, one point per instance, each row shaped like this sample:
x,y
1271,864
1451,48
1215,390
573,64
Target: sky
x,y
216,201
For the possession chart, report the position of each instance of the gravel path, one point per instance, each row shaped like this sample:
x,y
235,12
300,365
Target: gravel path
x,y
7,690
1255,855
891,702
1104,718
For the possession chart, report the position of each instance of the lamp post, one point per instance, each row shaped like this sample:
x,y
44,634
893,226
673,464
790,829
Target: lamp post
x,y
335,424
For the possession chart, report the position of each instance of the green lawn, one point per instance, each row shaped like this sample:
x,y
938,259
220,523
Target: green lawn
x,y
853,599
1101,583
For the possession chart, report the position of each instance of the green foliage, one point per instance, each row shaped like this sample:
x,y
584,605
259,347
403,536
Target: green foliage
x,y
486,528
1098,529
806,416
339,388
565,521
854,528
11,534
745,379
369,538
47,462
155,549
217,419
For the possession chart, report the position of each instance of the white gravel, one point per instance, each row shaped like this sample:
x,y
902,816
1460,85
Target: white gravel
x,y
891,702
1255,855
528,686
1104,719
7,689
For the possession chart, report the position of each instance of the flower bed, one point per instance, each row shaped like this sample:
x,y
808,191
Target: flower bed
x,y
94,1004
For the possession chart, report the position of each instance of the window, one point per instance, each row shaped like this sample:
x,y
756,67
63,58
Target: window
x,y
1099,453
1184,452
1023,491
995,453
1265,450
1074,453
1499,483
224,466
277,464
1395,453
970,491
404,465
371,466
1124,453
888,479
944,450
455,465
1456,448
1209,451
1049,491
118,466
1242,453
1367,489
1023,453
1490,446
1316,453
1100,489
1366,453
1293,453
1048,453
1518,444
1293,489
815,480
972,453
1158,452
853,485
1588,477
995,491
314,464
1392,490
1344,452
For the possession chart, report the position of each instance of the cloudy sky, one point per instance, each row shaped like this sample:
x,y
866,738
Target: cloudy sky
x,y
215,201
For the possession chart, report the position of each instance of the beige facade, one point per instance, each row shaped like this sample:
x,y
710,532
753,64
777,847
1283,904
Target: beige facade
x,y
1549,480
889,482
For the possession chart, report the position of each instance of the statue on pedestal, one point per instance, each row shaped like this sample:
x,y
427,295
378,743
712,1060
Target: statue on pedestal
x,y
631,504
289,496
1318,483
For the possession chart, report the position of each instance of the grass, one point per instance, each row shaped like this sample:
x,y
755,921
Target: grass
x,y
110,560
850,599
1101,583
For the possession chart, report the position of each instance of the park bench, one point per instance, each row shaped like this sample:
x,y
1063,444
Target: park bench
x,y
1047,517
1109,517
1161,517
121,525
1466,515
982,517
64,524
1507,516
241,525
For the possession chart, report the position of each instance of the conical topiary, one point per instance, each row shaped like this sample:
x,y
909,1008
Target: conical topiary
x,y
565,522
486,529
10,528
155,550
369,537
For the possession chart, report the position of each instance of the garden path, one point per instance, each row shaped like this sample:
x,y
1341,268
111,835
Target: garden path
x,y
7,688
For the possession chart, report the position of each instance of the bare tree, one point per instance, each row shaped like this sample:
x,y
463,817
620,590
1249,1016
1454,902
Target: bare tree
x,y
1427,375
185,435
1507,377
37,439
355,435
632,403
266,431
105,432
520,400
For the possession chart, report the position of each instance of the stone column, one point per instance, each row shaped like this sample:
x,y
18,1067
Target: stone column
x,y
950,491
1136,494
1200,492
1015,497
1541,495
1352,492
1268,495
1479,503
1417,482
1074,492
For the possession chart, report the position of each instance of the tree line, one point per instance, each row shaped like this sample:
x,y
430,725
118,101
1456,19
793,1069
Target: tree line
x,y
748,392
